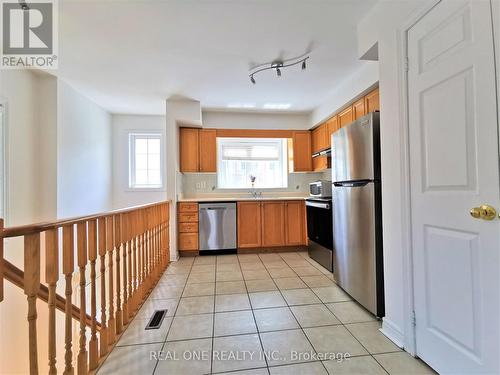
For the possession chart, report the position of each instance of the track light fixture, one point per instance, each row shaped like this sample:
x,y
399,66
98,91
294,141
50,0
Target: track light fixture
x,y
278,65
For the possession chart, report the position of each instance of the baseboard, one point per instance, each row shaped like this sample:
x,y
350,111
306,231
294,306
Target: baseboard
x,y
188,253
391,331
252,250
280,249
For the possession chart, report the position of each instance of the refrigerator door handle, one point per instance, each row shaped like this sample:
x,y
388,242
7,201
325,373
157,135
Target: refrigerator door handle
x,y
359,183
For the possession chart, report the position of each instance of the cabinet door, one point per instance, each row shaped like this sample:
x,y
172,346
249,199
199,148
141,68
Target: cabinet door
x,y
345,117
273,224
315,140
302,161
295,223
324,136
208,150
358,109
188,241
188,148
319,138
372,101
249,224
332,126
320,163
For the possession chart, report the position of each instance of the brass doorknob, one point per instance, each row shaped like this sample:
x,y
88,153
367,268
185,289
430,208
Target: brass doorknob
x,y
475,212
485,212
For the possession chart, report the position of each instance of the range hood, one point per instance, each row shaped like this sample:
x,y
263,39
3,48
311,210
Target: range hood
x,y
326,152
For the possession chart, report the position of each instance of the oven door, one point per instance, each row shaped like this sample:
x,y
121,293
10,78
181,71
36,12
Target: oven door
x,y
320,222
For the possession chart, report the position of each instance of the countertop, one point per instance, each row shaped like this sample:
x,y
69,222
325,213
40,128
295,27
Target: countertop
x,y
242,198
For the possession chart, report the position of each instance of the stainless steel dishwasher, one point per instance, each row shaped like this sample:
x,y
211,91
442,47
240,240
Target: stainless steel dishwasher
x,y
217,231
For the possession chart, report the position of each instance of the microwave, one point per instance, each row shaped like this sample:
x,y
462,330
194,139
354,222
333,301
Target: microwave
x,y
320,189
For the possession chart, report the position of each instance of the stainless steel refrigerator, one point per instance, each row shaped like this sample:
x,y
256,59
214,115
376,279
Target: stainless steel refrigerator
x,y
357,212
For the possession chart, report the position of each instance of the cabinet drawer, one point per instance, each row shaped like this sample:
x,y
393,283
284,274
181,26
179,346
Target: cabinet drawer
x,y
188,207
188,241
188,217
188,227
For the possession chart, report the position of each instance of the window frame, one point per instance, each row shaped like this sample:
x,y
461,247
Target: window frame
x,y
132,136
283,159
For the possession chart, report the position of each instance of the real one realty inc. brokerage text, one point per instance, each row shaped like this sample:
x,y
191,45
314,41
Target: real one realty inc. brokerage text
x,y
244,355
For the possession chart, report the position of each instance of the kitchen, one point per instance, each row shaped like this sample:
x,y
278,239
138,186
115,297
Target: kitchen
x,y
248,217
231,170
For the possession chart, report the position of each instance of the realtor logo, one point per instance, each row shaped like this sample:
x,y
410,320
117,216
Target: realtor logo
x,y
29,34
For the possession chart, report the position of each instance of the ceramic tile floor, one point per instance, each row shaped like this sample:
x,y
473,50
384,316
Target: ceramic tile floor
x,y
273,313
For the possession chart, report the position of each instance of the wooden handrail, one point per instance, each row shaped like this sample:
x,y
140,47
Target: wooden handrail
x,y
132,247
16,277
23,230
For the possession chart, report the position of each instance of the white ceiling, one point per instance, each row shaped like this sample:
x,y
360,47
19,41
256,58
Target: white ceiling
x,y
129,56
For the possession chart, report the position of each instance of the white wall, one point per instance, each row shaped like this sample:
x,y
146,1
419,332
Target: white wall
x,y
178,112
46,106
18,88
249,120
355,86
383,24
122,125
30,109
84,178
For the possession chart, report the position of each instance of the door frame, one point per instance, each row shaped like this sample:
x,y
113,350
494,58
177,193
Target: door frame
x,y
409,333
4,157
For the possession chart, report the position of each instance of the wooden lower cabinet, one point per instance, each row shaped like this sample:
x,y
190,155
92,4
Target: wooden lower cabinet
x,y
273,224
295,223
187,226
188,241
249,224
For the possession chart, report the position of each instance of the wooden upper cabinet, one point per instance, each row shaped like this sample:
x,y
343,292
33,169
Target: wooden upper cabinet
x,y
332,125
345,117
320,163
358,109
249,224
372,101
198,150
320,138
208,150
295,219
189,147
273,224
302,151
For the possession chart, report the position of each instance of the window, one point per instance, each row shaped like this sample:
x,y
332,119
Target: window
x,y
241,158
145,161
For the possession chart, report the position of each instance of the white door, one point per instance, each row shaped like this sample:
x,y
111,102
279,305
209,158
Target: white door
x,y
454,166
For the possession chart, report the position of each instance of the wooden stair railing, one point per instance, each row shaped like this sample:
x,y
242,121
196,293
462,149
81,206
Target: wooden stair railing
x,y
132,247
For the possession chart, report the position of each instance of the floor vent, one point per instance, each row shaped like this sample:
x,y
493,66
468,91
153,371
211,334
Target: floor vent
x,y
156,319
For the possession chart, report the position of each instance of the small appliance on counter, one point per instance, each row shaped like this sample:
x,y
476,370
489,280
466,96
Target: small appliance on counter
x,y
320,189
319,223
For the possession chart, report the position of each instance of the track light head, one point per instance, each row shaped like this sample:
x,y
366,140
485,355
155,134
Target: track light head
x,y
304,65
278,72
252,79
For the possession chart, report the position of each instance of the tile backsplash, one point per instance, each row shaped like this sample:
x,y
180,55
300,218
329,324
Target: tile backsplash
x,y
203,185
